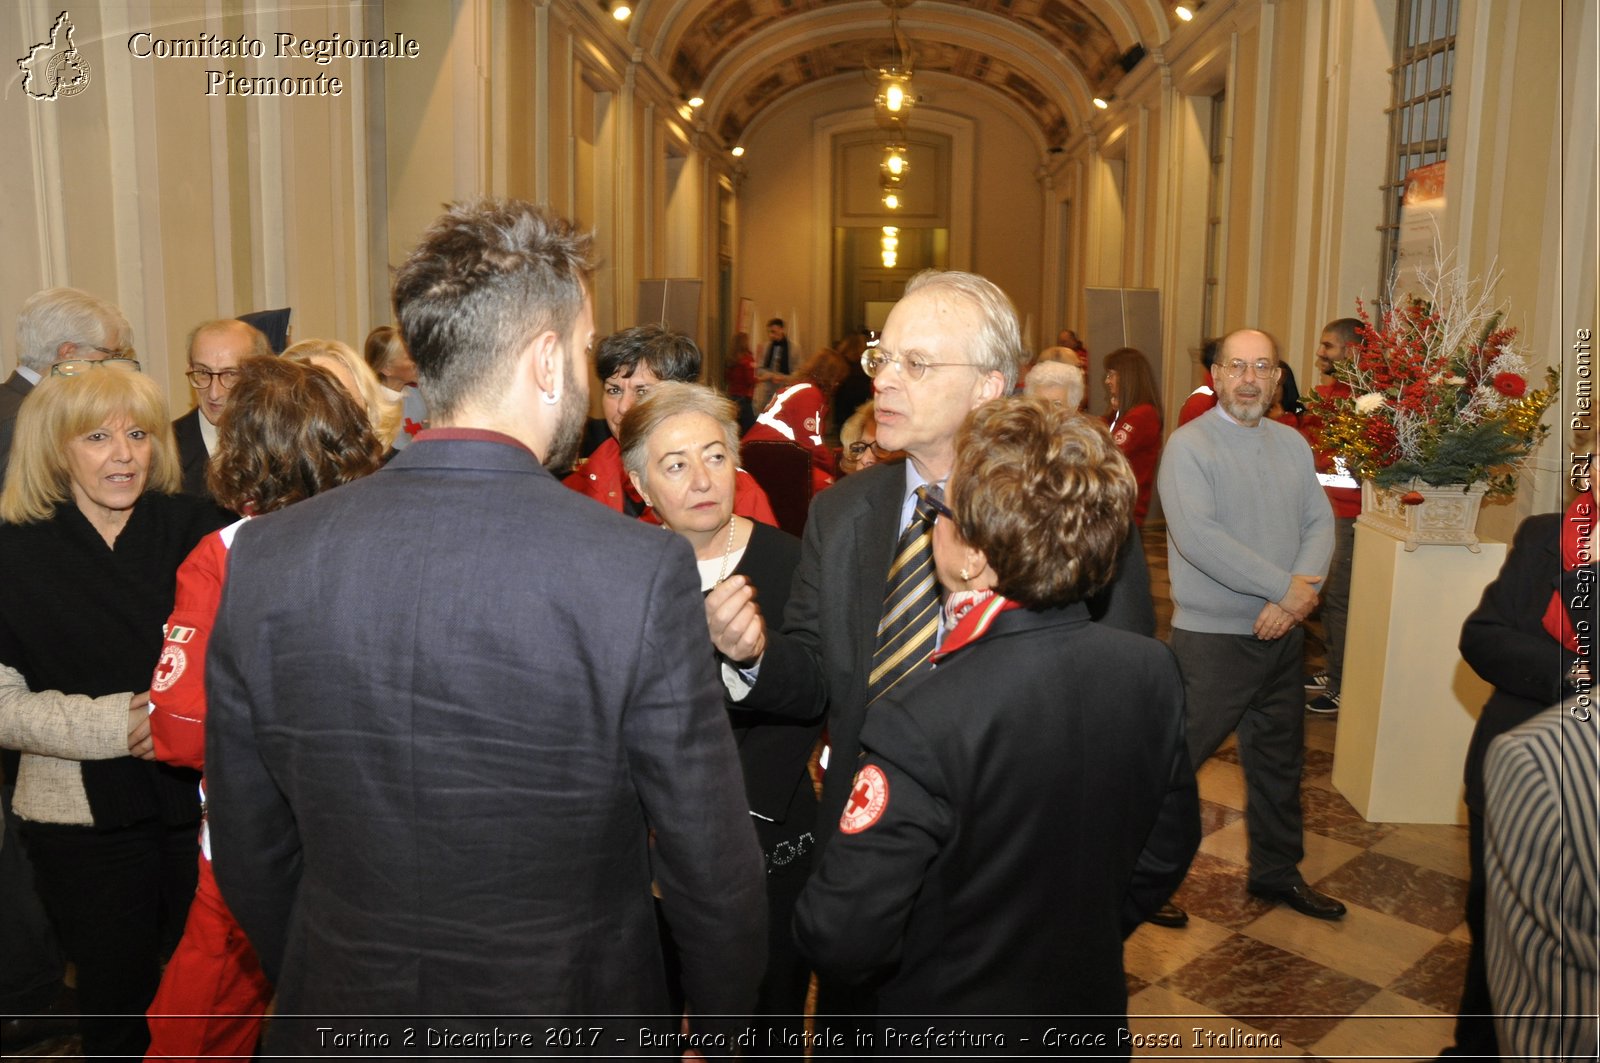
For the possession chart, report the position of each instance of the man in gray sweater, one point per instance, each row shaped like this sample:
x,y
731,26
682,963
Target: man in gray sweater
x,y
1249,534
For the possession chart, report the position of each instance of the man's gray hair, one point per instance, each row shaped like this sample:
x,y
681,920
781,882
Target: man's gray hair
x,y
998,346
1057,374
67,315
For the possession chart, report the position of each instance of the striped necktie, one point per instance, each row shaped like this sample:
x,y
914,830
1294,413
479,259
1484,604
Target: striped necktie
x,y
910,621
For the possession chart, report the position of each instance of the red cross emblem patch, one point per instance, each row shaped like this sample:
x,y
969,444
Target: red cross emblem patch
x,y
867,800
169,667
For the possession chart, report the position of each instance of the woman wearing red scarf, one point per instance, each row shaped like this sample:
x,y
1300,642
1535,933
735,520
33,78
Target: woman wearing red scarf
x,y
1524,640
1031,799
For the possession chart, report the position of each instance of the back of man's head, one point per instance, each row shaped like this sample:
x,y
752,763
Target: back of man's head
x,y
488,277
67,315
669,355
997,346
1346,330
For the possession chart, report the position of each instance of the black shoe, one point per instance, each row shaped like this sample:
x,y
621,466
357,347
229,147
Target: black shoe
x,y
1169,915
59,1020
1318,683
1305,900
1325,704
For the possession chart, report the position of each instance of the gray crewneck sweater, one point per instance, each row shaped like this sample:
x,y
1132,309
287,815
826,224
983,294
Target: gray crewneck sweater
x,y
1244,512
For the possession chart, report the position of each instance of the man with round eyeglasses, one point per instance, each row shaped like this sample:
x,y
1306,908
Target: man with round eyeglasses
x,y
215,349
1249,535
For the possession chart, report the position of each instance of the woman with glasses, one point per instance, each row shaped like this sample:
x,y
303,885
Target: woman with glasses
x,y
1018,811
1135,419
680,447
91,537
289,433
858,441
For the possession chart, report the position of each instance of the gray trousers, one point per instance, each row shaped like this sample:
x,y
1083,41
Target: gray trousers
x,y
1239,683
1335,592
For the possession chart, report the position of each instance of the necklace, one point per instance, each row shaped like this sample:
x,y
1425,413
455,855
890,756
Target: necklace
x,y
727,555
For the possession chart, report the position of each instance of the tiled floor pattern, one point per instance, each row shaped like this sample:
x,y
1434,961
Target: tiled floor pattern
x,y
1247,979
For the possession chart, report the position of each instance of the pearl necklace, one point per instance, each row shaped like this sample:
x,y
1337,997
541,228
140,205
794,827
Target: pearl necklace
x,y
727,555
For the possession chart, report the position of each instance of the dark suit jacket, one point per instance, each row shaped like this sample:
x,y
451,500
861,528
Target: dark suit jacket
x,y
430,792
192,453
1505,642
1039,804
12,392
823,655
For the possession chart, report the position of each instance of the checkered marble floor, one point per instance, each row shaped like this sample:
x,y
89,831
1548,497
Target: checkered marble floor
x,y
1259,980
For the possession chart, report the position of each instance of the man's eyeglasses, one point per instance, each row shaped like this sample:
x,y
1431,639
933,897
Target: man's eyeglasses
x,y
200,379
914,366
1236,369
75,366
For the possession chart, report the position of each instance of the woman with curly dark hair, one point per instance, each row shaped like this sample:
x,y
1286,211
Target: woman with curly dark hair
x,y
290,431
1030,799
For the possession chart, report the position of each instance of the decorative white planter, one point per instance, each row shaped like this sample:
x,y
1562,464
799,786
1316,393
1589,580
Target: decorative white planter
x,y
1446,516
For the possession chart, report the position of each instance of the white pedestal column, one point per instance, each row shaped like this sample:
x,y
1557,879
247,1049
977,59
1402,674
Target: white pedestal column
x,y
1408,701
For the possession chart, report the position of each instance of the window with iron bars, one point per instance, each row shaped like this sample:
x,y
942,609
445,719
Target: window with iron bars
x,y
1419,118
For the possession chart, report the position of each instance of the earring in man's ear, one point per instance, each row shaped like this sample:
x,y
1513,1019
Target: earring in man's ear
x,y
550,398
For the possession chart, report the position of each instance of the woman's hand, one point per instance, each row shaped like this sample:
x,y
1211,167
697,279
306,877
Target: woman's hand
x,y
140,742
737,630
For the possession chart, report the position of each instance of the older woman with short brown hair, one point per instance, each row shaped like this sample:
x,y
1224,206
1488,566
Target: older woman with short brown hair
x,y
1031,798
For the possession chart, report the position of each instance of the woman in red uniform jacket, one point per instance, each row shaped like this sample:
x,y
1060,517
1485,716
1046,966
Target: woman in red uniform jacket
x,y
289,431
1135,419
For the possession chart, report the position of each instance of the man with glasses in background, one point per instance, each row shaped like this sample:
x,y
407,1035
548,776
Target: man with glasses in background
x,y
58,325
1249,534
215,350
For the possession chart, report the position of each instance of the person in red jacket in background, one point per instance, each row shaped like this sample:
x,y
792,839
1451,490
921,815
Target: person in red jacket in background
x,y
1135,419
1203,397
288,431
1339,342
628,363
798,413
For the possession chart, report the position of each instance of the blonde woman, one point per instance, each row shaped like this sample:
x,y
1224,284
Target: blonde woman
x,y
357,377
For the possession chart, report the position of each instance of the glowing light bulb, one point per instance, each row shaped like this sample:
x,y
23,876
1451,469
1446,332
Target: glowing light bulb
x,y
1183,13
891,201
738,150
696,101
889,260
1102,104
896,163
622,12
891,230
894,97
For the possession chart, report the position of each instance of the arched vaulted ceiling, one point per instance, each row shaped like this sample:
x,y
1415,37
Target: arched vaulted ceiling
x,y
1047,57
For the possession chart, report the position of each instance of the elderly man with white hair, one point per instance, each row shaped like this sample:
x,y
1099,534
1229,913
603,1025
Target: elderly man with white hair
x,y
1059,383
57,325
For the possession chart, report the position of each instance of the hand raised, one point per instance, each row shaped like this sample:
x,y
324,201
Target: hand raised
x,y
737,629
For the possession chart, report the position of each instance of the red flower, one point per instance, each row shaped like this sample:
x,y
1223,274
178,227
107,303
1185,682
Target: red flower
x,y
1510,384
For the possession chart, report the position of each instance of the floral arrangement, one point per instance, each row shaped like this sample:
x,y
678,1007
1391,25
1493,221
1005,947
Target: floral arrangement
x,y
1438,393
